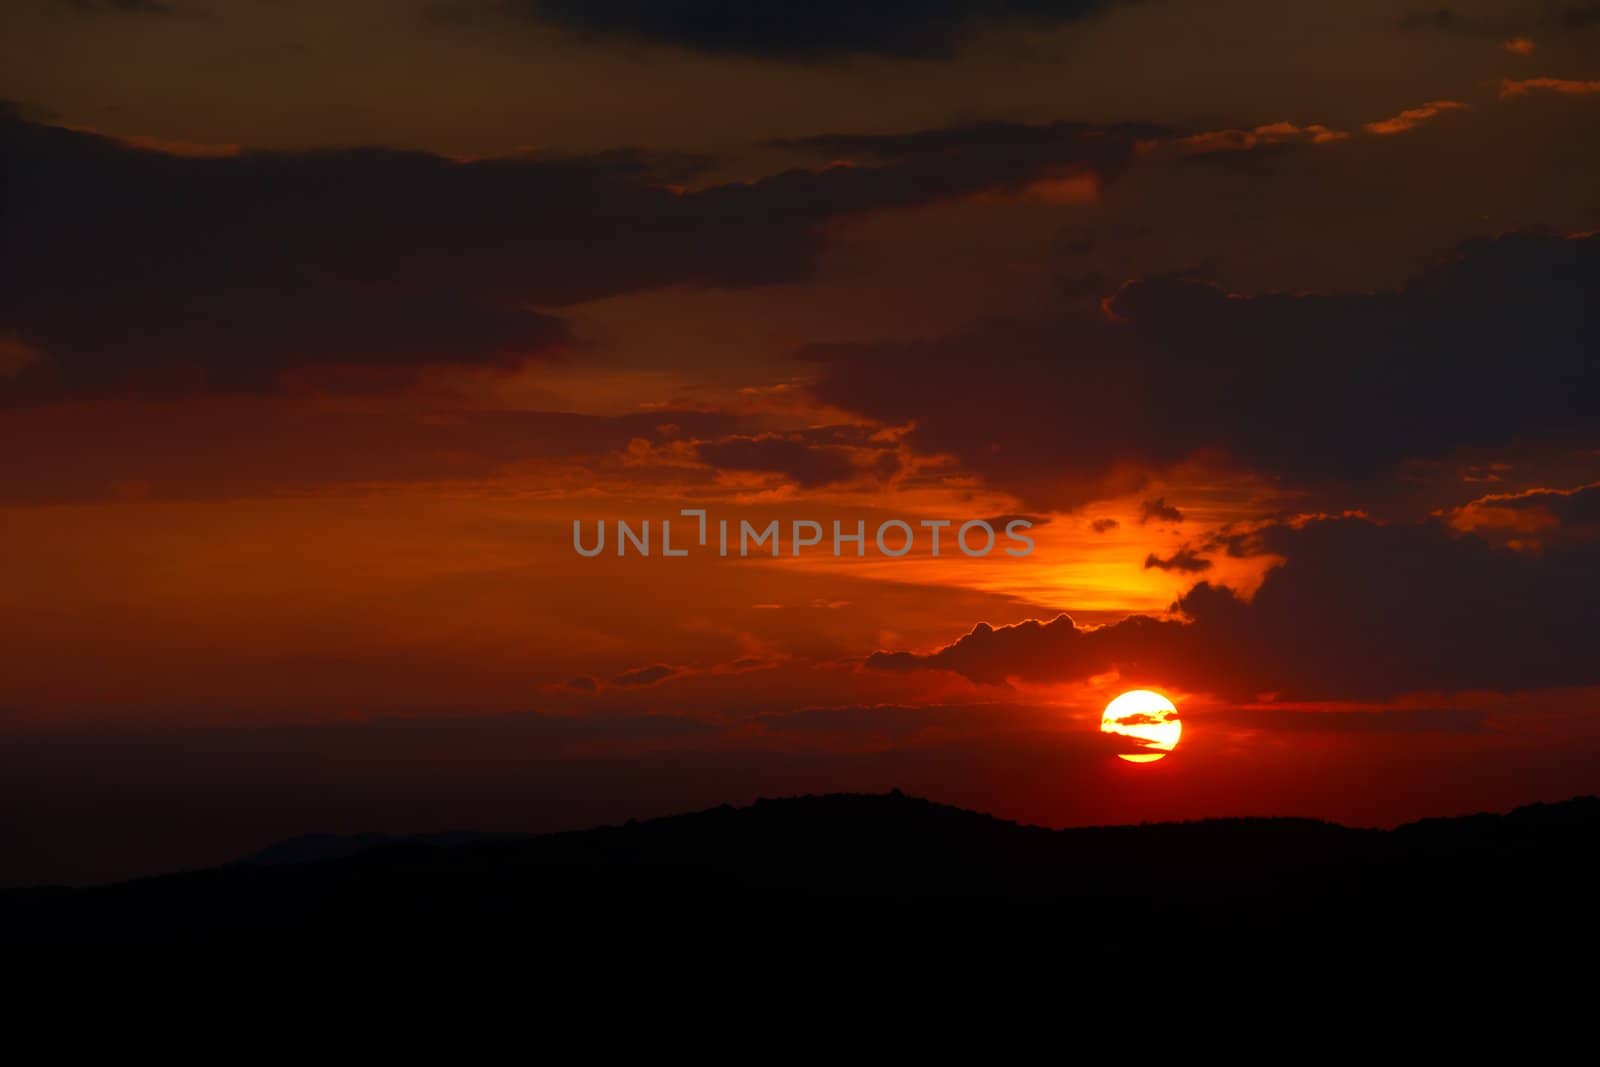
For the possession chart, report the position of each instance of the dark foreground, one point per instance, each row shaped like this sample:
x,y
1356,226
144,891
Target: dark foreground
x,y
796,856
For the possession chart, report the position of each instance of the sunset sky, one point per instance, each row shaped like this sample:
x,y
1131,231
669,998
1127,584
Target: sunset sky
x,y
321,324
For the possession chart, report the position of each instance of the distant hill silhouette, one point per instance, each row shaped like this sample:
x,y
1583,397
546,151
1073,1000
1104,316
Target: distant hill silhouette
x,y
890,847
307,848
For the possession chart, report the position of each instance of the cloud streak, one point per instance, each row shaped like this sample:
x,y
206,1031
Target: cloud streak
x,y
1514,87
1412,117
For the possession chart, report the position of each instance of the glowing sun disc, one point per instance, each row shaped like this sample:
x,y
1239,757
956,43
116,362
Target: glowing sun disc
x,y
1145,722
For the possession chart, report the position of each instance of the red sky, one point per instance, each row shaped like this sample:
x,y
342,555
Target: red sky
x,y
322,325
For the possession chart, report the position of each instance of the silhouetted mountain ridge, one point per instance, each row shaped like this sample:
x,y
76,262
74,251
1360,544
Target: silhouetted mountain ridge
x,y
888,846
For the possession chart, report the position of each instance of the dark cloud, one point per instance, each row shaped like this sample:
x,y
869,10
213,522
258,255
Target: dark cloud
x,y
1184,560
1359,610
1104,525
123,7
1051,651
980,143
1553,16
1158,509
1579,16
896,170
806,464
820,455
1499,342
645,675
129,268
1142,718
1321,217
583,684
795,30
1446,20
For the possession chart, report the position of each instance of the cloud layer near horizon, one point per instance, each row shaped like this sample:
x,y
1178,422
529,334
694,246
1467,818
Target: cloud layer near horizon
x,y
1359,610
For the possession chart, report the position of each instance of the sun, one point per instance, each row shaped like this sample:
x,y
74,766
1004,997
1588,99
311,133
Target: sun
x,y
1145,723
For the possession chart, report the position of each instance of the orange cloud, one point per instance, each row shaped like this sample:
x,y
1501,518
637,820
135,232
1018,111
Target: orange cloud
x,y
1525,521
1412,117
1244,140
1510,87
1519,46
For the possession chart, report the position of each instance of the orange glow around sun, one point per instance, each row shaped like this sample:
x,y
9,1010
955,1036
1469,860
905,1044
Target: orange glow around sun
x,y
1145,723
